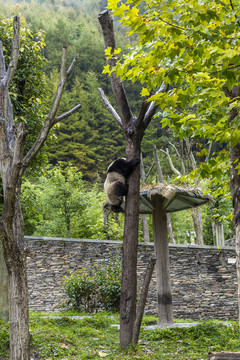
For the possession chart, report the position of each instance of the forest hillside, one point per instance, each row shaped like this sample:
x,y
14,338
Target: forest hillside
x,y
80,148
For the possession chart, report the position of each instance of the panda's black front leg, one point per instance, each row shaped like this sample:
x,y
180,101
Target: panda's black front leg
x,y
131,165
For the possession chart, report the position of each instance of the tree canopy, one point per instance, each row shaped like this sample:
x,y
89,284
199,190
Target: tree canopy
x,y
194,47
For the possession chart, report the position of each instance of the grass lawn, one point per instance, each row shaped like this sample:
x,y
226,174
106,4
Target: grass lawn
x,y
95,337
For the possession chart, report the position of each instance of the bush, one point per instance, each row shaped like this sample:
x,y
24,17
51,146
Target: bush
x,y
98,289
4,340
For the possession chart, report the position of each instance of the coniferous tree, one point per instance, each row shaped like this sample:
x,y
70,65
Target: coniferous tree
x,y
89,138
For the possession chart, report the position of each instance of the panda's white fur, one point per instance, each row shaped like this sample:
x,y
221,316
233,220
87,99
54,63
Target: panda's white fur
x,y
115,185
111,182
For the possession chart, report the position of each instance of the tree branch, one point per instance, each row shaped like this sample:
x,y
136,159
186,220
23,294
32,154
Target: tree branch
x,y
6,112
66,114
109,107
173,25
153,107
159,170
20,137
71,67
14,54
64,75
143,110
180,158
150,169
170,162
143,298
190,153
231,4
50,119
142,170
117,86
4,146
209,151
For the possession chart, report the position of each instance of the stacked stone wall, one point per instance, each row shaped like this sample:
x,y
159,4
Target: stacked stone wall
x,y
204,283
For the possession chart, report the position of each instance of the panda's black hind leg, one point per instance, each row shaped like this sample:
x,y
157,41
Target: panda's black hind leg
x,y
117,208
121,189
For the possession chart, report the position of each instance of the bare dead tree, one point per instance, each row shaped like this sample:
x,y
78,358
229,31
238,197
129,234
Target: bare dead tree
x,y
13,163
133,128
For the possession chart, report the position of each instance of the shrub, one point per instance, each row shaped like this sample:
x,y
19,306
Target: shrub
x,y
4,340
97,289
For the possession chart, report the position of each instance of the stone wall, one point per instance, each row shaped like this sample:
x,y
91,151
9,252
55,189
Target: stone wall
x,y
204,283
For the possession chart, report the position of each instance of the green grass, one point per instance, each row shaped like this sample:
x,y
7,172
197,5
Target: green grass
x,y
94,337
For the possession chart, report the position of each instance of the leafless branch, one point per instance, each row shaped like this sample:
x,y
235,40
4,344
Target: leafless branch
x,y
190,153
150,169
142,170
209,151
66,114
64,75
159,170
19,142
175,148
153,107
180,158
170,162
109,107
143,298
14,54
4,146
117,86
50,119
143,110
6,77
71,67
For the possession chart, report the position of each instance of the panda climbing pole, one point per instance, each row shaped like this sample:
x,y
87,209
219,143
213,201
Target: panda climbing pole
x,y
133,129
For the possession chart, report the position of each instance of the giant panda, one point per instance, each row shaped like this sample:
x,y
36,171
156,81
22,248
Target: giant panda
x,y
115,185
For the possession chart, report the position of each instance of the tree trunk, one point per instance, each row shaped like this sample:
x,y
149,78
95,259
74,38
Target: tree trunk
x,y
133,128
220,235
146,237
19,318
238,266
197,222
170,229
4,306
129,254
164,294
15,257
235,189
13,163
